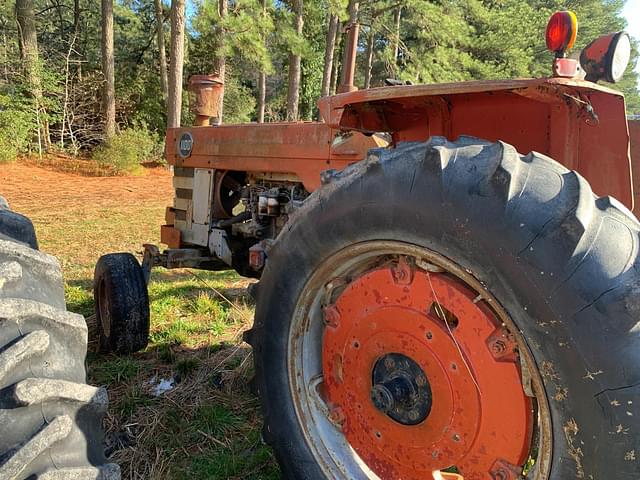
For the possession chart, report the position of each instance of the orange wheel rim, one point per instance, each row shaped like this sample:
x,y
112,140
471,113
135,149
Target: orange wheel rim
x,y
396,332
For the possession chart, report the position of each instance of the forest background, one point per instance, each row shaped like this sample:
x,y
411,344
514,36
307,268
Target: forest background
x,y
104,79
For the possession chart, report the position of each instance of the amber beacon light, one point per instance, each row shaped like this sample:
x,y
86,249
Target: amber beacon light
x,y
562,31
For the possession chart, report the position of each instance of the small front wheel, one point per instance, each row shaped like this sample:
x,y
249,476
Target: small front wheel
x,y
122,303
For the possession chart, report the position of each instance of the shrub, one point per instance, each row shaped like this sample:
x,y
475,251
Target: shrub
x,y
128,149
16,127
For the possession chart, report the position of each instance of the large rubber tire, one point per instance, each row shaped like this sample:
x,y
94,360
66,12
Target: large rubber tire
x,y
562,262
16,227
122,304
51,421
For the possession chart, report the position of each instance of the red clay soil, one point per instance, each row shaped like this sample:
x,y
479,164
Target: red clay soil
x,y
29,188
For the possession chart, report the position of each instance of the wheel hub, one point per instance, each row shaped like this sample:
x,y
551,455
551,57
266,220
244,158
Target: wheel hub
x,y
413,379
400,389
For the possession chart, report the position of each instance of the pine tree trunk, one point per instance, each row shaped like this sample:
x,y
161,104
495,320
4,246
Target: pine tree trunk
x,y
219,59
162,55
262,78
262,95
337,55
369,60
329,50
293,93
353,19
6,56
174,104
28,40
76,30
397,16
108,70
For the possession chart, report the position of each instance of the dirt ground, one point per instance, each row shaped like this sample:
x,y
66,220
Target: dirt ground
x,y
37,190
78,218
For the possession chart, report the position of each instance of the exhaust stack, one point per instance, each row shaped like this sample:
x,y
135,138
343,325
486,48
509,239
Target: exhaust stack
x,y
206,95
349,62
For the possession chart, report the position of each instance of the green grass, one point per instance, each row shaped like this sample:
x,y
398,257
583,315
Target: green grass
x,y
207,426
249,455
133,400
194,339
185,312
111,370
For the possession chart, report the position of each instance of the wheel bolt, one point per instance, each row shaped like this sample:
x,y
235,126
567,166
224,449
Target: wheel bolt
x,y
382,398
336,416
331,316
501,475
503,470
498,347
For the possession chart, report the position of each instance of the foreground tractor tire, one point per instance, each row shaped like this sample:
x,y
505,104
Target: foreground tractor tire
x,y
51,421
16,227
453,307
122,304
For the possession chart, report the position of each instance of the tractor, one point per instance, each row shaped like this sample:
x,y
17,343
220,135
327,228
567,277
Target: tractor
x,y
433,301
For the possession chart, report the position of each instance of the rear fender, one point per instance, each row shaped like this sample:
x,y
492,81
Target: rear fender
x,y
580,124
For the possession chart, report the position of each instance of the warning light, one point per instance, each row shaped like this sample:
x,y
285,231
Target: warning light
x,y
562,30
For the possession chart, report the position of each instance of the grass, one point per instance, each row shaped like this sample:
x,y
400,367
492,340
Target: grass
x,y
208,425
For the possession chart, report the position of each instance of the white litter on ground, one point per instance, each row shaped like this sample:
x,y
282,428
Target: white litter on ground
x,y
163,386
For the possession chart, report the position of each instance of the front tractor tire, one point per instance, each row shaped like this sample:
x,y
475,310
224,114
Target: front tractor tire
x,y
455,307
122,304
50,419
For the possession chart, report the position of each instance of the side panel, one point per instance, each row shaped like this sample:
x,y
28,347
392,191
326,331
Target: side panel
x,y
634,134
202,190
304,149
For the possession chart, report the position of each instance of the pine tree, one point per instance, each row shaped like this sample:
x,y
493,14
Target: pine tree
x,y
177,60
28,41
293,90
162,56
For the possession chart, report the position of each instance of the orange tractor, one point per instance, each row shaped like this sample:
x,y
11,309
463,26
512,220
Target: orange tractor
x,y
432,303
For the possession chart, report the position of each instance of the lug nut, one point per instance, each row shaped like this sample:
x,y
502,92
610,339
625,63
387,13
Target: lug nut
x,y
498,347
336,416
501,475
331,316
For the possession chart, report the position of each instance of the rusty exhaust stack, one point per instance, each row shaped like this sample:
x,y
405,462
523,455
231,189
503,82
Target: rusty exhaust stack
x,y
349,64
206,95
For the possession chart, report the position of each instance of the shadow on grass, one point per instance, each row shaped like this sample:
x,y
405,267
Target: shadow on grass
x,y
207,424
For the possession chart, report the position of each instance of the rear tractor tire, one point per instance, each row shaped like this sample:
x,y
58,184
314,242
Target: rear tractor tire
x,y
452,307
16,227
122,304
50,419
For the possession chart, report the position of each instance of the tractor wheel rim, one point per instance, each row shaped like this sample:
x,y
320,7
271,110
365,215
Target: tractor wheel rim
x,y
402,365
